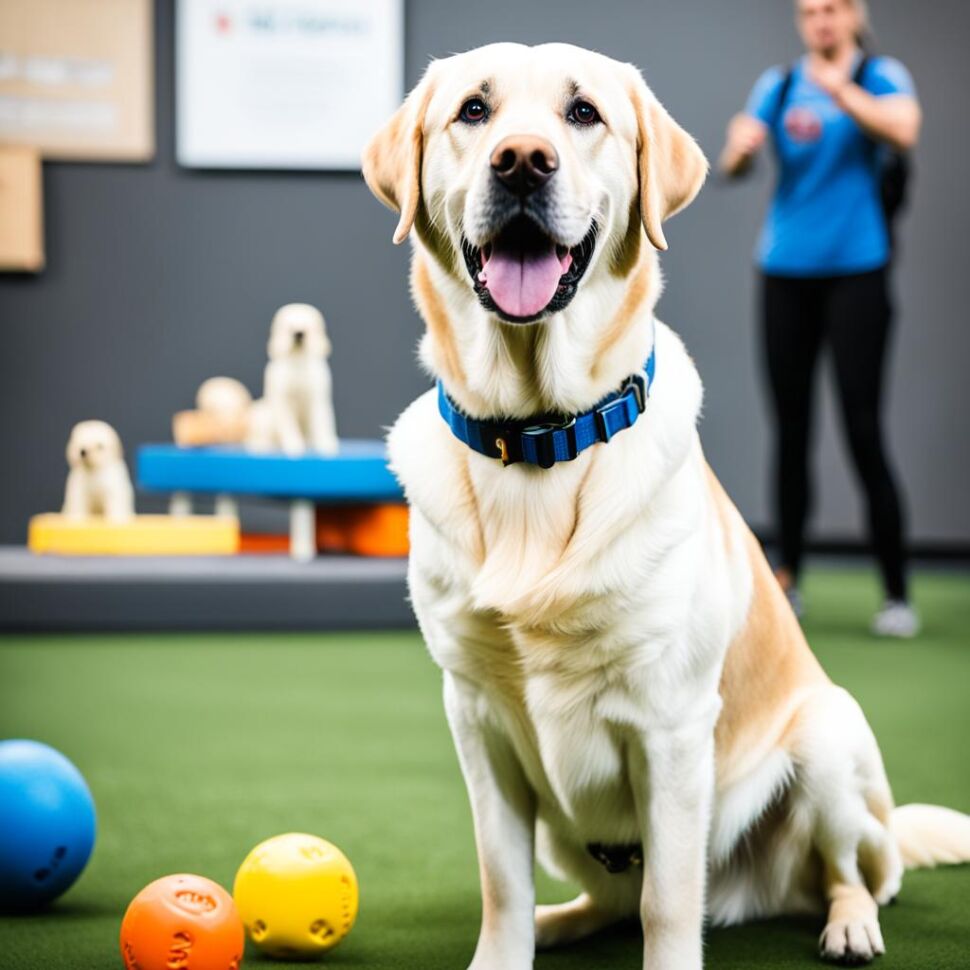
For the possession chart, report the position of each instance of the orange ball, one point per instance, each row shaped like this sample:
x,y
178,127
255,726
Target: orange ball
x,y
182,922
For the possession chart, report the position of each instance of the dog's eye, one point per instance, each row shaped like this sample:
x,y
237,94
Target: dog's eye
x,y
473,112
582,113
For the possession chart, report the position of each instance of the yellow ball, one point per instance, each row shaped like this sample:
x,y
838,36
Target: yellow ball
x,y
297,895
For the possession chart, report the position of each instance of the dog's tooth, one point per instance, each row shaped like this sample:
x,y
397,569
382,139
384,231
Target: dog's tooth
x,y
482,278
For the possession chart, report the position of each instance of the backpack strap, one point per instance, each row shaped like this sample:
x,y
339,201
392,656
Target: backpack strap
x,y
781,99
859,74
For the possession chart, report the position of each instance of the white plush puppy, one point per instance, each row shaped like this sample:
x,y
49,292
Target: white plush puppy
x,y
224,398
296,410
98,483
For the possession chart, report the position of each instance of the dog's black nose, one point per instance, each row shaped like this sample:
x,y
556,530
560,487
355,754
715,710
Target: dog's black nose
x,y
84,453
524,163
298,336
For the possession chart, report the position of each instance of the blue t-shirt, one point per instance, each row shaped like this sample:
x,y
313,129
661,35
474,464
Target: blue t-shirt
x,y
826,216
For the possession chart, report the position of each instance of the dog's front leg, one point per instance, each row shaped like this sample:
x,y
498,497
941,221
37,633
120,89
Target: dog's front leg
x,y
75,496
288,429
323,426
672,771
119,502
503,809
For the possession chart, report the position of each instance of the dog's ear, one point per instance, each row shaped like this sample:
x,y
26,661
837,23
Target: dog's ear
x,y
117,448
325,346
671,167
323,334
279,341
71,449
392,158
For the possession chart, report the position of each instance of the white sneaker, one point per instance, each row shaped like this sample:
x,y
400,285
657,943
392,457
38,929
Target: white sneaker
x,y
896,619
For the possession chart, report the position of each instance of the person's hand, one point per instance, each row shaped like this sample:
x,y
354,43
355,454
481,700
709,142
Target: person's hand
x,y
745,136
831,78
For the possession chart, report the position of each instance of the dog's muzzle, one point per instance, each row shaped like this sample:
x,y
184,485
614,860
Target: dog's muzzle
x,y
522,273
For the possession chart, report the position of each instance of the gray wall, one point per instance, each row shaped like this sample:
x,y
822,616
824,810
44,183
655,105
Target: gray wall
x,y
160,277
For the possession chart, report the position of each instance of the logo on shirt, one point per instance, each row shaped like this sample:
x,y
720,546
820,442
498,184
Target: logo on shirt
x,y
803,124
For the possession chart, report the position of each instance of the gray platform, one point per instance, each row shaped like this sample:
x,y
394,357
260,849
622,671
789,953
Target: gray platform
x,y
200,593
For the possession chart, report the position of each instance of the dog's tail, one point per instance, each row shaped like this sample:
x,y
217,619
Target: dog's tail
x,y
929,835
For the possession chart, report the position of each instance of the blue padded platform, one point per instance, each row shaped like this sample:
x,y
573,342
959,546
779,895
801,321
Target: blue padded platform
x,y
358,473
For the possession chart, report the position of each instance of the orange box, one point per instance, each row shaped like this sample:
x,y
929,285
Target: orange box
x,y
365,530
192,429
264,544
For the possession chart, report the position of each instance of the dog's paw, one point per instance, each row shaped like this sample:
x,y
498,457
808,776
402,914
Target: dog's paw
x,y
501,958
568,922
851,943
555,925
326,446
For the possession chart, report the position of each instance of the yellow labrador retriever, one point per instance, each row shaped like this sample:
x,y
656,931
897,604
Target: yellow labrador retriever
x,y
630,695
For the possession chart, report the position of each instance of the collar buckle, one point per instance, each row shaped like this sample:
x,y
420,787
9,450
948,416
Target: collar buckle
x,y
543,438
638,385
618,414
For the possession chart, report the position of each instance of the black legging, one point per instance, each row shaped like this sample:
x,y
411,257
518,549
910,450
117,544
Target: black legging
x,y
852,314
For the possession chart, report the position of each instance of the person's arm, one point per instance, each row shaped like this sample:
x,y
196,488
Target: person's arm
x,y
748,131
745,138
893,118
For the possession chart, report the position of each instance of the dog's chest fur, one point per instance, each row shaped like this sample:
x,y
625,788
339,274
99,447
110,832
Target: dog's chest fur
x,y
564,595
303,377
100,482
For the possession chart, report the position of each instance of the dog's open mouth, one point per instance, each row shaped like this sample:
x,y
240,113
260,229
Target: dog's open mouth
x,y
523,274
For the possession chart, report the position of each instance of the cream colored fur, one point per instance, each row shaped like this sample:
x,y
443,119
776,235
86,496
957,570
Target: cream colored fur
x,y
98,483
224,398
295,413
619,664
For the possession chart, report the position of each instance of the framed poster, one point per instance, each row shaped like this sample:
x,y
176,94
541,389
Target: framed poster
x,y
76,78
21,210
287,84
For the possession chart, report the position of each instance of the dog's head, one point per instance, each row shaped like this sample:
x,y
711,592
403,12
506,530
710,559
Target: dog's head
x,y
298,330
529,170
93,444
223,396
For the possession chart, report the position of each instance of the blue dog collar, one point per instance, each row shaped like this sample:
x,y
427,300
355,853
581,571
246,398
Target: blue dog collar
x,y
547,439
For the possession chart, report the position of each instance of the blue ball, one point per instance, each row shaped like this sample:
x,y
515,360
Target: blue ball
x,y
47,824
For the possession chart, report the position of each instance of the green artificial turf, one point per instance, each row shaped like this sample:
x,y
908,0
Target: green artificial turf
x,y
199,746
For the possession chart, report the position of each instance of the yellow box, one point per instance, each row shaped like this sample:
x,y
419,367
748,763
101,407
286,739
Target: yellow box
x,y
142,535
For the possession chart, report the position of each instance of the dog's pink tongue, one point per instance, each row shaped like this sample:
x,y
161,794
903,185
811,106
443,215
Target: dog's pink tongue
x,y
522,284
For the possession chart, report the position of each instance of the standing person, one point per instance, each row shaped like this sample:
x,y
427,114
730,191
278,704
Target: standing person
x,y
835,118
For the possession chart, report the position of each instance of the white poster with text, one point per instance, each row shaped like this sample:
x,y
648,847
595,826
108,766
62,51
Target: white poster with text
x,y
285,84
